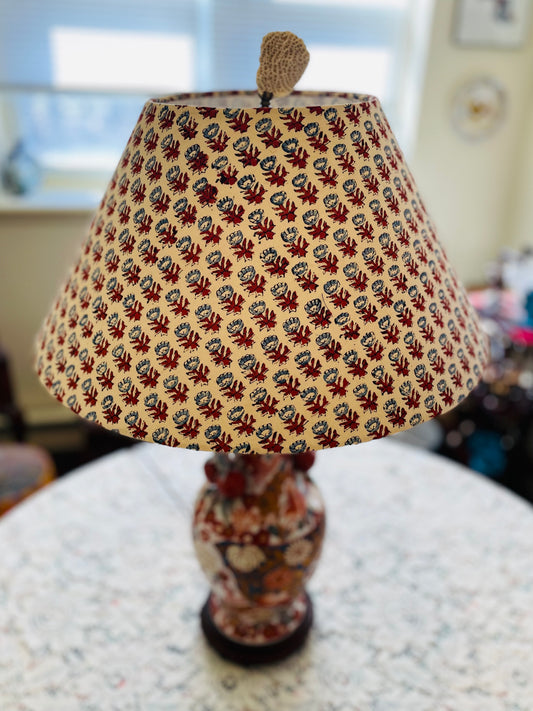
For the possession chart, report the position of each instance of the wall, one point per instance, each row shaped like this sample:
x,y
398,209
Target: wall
x,y
474,190
36,250
478,193
521,220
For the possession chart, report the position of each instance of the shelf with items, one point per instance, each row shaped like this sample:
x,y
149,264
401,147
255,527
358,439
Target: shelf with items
x,y
492,430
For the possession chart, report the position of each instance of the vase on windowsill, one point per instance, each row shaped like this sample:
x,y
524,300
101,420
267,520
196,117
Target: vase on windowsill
x,y
20,172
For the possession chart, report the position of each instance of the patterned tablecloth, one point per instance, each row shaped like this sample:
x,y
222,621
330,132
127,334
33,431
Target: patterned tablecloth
x,y
423,598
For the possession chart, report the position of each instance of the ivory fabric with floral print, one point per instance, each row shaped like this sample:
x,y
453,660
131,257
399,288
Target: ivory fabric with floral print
x,y
261,280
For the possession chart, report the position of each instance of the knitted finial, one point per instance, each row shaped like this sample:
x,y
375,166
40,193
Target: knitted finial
x,y
283,60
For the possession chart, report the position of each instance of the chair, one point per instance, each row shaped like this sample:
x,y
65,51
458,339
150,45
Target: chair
x,y
8,405
24,468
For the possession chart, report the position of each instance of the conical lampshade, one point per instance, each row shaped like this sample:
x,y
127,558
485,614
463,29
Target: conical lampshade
x,y
261,280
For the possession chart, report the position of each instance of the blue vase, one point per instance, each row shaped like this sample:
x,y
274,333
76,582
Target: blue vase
x,y
20,172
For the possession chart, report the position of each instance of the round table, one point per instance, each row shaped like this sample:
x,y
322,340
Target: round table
x,y
423,597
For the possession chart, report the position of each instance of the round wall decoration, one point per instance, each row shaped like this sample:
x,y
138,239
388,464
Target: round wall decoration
x,y
479,108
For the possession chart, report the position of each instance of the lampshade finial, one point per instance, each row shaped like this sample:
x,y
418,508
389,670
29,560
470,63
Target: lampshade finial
x,y
283,60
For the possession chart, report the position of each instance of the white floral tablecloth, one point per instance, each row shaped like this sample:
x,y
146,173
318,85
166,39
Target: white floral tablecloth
x,y
423,597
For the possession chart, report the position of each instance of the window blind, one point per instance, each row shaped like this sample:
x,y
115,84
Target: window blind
x,y
74,74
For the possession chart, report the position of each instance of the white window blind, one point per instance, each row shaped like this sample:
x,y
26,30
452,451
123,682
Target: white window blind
x,y
75,73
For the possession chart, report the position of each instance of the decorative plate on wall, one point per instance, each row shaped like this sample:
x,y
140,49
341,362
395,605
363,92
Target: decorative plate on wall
x,y
479,108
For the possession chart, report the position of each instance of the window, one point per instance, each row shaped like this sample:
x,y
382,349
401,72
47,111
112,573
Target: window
x,y
74,75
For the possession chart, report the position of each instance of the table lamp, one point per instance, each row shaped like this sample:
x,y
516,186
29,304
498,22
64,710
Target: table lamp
x,y
261,280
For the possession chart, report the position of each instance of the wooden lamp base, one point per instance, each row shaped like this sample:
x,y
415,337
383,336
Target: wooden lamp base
x,y
249,654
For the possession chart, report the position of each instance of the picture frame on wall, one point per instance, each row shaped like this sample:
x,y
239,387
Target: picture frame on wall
x,y
500,24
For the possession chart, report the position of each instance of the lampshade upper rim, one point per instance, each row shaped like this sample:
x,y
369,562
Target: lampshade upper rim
x,y
249,100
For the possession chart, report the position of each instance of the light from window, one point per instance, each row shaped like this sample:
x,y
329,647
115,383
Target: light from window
x,y
84,58
374,4
68,131
364,70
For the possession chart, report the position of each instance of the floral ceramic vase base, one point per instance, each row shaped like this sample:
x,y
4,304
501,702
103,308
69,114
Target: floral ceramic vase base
x,y
258,531
248,654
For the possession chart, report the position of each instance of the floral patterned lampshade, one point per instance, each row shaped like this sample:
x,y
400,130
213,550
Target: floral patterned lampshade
x,y
261,279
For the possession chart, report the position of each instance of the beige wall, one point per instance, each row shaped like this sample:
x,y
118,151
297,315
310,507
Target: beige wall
x,y
521,219
471,189
36,250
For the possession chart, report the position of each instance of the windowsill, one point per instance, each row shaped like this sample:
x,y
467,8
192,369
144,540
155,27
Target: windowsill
x,y
50,201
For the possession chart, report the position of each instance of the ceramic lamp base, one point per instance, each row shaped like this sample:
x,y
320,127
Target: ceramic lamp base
x,y
258,528
251,654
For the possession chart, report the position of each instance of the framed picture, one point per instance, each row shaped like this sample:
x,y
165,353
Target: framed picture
x,y
502,24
